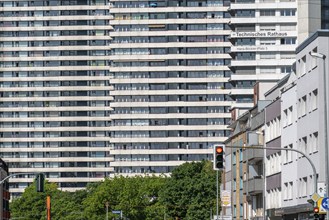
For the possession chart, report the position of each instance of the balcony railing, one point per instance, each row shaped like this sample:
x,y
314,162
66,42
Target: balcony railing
x,y
254,186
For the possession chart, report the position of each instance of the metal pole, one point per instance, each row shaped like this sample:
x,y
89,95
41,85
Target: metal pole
x,y
264,170
264,180
217,194
325,128
15,174
107,210
326,145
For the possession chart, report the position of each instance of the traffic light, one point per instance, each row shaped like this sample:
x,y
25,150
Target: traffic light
x,y
316,213
40,181
219,157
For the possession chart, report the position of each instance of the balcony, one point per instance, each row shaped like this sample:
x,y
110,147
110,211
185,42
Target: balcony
x,y
254,186
253,155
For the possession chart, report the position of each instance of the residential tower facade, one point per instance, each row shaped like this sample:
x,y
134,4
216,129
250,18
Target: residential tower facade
x,y
169,68
54,88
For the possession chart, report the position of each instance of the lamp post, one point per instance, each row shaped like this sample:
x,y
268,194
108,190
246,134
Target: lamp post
x,y
323,57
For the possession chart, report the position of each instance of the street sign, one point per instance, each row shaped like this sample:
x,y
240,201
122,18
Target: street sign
x,y
325,203
315,197
116,212
226,198
321,189
322,210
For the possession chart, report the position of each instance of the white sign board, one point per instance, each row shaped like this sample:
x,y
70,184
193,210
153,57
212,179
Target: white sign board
x,y
322,189
225,197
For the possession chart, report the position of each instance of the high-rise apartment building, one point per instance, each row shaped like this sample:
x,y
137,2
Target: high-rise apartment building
x,y
169,68
264,41
54,88
313,15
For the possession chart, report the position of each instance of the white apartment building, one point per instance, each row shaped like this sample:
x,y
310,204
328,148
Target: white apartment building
x,y
264,41
54,88
303,127
169,68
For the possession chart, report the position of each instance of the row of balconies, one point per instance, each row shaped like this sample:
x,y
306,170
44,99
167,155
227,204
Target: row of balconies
x,y
167,80
56,8
56,18
167,68
265,62
59,88
54,78
119,140
169,21
168,9
262,4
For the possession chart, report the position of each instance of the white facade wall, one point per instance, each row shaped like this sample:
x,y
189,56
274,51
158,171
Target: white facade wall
x,y
288,140
306,132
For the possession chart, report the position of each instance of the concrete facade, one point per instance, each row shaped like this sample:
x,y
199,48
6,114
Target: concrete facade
x,y
54,88
170,73
263,45
303,127
312,16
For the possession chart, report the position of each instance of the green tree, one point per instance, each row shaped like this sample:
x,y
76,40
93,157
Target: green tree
x,y
137,197
32,204
68,205
190,193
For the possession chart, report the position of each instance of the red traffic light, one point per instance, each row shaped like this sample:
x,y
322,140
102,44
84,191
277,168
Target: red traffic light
x,y
316,210
219,150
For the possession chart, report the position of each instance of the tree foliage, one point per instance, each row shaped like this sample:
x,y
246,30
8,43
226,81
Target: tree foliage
x,y
32,205
188,194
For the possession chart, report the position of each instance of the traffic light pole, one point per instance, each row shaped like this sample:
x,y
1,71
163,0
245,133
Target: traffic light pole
x,y
284,149
217,171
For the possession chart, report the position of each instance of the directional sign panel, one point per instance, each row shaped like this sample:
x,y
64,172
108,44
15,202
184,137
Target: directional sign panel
x,y
325,203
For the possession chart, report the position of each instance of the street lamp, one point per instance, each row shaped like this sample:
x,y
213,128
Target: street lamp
x,y
323,57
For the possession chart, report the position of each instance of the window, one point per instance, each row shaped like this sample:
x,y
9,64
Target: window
x,y
286,69
287,55
287,27
302,106
267,55
285,192
290,191
315,142
267,70
304,187
268,41
285,118
288,41
302,64
288,12
305,146
313,99
267,13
